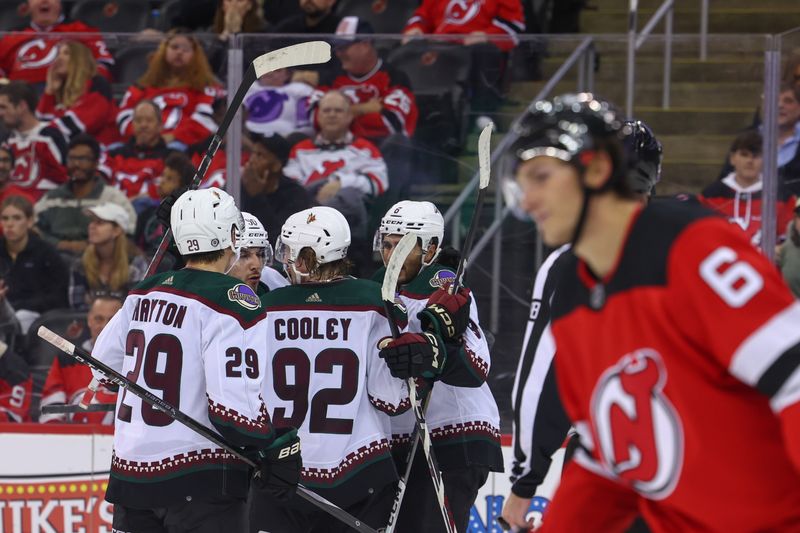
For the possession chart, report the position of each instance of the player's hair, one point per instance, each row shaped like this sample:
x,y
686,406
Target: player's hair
x,y
205,257
787,87
153,105
749,141
252,22
180,163
83,139
20,202
197,75
19,91
326,272
82,68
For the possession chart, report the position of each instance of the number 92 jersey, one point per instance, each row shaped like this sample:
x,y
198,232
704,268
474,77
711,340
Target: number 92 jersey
x,y
680,373
325,378
195,339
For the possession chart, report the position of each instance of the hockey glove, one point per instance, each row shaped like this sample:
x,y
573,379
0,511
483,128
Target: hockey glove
x,y
414,355
281,463
164,209
446,314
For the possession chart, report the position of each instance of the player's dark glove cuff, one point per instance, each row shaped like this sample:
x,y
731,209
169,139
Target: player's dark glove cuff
x,y
446,314
414,355
164,209
279,471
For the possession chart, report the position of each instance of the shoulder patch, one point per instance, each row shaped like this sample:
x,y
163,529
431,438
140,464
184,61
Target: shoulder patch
x,y
441,278
243,295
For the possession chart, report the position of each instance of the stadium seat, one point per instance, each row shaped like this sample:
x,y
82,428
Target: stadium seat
x,y
40,354
166,13
13,14
131,62
386,16
113,16
439,73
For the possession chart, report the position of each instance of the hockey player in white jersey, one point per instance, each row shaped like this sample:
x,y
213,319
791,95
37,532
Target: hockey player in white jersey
x,y
255,254
462,414
325,378
196,338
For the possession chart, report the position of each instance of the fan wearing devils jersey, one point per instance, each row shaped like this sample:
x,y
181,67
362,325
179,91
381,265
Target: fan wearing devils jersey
x,y
383,102
326,378
67,379
194,337
180,81
16,386
678,344
27,55
39,149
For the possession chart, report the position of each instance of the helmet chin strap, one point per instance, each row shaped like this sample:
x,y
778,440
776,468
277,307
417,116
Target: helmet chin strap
x,y
295,277
237,253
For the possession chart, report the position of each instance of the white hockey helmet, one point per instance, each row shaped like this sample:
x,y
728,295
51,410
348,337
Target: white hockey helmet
x,y
202,220
422,219
323,229
255,236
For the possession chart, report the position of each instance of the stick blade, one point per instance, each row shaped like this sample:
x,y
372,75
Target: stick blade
x,y
308,53
399,255
56,340
485,155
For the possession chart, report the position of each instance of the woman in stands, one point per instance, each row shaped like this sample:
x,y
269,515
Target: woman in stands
x,y
110,262
180,81
76,98
237,16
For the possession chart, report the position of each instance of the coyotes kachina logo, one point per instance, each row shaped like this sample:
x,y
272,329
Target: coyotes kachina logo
x,y
639,436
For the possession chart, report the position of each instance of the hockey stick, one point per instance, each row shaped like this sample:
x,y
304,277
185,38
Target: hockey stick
x,y
65,408
388,290
484,173
115,377
309,53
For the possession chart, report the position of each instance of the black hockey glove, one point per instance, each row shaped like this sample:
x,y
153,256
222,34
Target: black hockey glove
x,y
446,314
414,355
164,209
281,463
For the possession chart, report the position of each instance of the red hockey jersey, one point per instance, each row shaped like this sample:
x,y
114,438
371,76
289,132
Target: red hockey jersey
x,y
134,169
93,113
742,206
15,388
38,159
186,113
393,89
493,17
680,372
27,55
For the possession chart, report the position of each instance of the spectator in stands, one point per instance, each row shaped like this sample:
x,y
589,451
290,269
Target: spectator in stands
x,y
38,148
134,167
238,16
490,29
34,277
27,56
383,102
76,98
180,81
176,176
110,262
276,105
317,18
791,70
267,193
738,195
59,214
789,253
16,386
7,187
67,379
338,168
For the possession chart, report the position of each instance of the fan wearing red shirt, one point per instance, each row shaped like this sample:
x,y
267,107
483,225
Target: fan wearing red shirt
x,y
179,80
27,55
678,344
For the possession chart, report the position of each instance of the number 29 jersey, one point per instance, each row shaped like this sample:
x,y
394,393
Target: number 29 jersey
x,y
680,373
194,339
325,378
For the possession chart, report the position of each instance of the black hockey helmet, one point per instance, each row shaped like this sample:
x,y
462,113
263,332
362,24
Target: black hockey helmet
x,y
644,156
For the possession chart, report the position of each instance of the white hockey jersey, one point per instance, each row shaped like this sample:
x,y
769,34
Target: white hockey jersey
x,y
278,110
461,411
195,339
327,380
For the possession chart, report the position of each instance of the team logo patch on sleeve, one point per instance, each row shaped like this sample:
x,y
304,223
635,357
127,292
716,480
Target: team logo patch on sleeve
x,y
244,296
442,278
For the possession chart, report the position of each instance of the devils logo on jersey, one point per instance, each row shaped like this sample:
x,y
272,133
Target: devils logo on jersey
x,y
639,436
461,11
